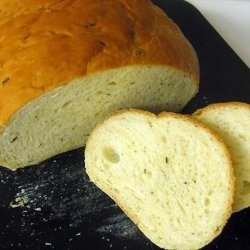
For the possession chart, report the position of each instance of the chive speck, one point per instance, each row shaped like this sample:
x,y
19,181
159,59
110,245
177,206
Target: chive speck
x,y
166,159
5,80
14,139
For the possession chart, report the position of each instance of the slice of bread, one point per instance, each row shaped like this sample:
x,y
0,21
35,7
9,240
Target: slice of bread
x,y
169,173
64,65
232,122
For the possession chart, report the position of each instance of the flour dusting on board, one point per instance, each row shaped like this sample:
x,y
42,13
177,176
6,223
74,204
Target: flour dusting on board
x,y
32,196
19,202
119,226
60,198
66,193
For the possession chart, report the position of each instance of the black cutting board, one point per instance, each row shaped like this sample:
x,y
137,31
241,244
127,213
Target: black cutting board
x,y
54,206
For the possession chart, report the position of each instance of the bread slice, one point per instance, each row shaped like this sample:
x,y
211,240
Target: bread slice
x,y
169,173
232,122
66,64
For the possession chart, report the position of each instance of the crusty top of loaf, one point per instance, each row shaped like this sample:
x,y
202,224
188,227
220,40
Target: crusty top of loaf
x,y
46,43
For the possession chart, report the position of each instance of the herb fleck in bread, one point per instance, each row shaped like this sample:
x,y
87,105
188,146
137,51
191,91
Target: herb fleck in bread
x,y
169,173
64,65
232,122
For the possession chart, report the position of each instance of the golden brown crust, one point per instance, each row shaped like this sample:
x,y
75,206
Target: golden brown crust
x,y
46,43
194,121
221,105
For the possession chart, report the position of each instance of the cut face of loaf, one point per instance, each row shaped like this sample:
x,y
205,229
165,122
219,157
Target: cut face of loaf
x,y
62,119
232,122
170,174
64,65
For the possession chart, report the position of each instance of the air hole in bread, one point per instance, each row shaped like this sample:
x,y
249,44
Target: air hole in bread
x,y
146,172
99,92
207,201
242,137
111,155
150,124
246,188
164,139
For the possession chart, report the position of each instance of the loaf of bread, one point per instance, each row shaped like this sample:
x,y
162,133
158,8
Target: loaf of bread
x,y
64,65
169,173
232,122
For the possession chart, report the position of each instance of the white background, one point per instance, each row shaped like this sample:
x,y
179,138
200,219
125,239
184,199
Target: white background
x,y
231,18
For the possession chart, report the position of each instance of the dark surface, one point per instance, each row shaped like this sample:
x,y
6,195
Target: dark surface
x,y
54,206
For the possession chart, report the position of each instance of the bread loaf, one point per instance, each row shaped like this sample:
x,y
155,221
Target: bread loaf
x,y
232,122
169,173
65,64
